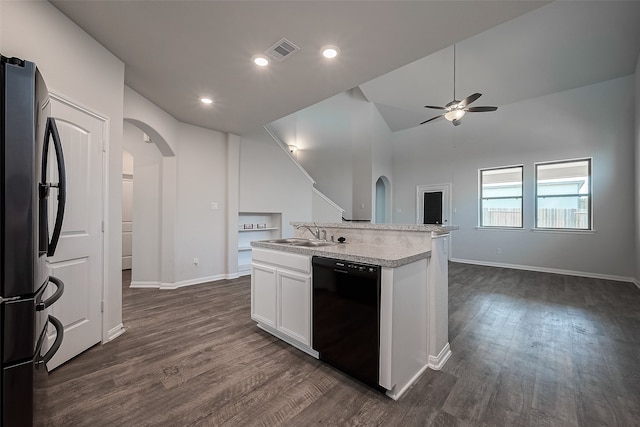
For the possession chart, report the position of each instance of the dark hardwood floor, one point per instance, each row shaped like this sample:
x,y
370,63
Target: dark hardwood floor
x,y
528,349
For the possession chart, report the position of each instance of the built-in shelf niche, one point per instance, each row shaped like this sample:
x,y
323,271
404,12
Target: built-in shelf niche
x,y
255,226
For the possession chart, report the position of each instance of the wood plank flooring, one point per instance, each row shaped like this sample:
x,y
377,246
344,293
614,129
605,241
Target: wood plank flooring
x,y
528,349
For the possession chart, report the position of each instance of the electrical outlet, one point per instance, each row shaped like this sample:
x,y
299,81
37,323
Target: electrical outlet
x,y
498,250
196,261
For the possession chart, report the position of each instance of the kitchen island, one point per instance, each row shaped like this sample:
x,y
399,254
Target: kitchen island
x,y
413,291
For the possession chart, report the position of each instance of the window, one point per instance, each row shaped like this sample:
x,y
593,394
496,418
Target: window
x,y
501,197
563,195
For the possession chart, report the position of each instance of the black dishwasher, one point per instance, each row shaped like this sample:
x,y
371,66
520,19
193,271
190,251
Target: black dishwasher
x,y
346,317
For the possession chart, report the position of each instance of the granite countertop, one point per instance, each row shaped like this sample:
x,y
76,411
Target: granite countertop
x,y
433,228
385,256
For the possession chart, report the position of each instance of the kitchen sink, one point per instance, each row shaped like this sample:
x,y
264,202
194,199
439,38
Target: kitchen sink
x,y
289,241
310,243
315,243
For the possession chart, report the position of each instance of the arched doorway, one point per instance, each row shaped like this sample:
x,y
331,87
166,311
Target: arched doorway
x,y
383,200
142,207
127,209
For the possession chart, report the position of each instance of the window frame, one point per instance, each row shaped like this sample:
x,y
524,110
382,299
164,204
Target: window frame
x,y
481,199
589,195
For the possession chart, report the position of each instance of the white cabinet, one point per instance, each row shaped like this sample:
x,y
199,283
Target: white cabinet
x,y
263,294
281,296
255,226
294,303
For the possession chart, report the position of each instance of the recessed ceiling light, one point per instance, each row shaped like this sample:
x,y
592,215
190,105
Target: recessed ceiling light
x,y
260,60
206,100
330,51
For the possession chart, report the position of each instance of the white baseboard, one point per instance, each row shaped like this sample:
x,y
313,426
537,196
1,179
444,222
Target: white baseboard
x,y
115,332
138,284
180,284
397,394
197,281
436,363
545,270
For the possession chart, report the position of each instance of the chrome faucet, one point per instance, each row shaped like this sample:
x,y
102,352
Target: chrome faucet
x,y
315,234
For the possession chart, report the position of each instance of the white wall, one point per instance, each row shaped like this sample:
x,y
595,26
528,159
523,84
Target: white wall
x,y
196,173
344,144
637,163
147,206
163,130
81,70
323,209
323,135
381,156
363,186
593,121
271,182
202,180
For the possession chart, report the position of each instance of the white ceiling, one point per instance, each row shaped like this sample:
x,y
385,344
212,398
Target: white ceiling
x,y
177,51
560,46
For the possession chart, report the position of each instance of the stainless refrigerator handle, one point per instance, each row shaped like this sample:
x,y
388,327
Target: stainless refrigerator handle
x,y
56,345
53,298
52,130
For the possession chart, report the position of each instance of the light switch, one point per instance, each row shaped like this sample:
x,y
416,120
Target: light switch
x,y
214,206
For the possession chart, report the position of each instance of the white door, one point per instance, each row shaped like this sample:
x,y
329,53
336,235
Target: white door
x,y
78,258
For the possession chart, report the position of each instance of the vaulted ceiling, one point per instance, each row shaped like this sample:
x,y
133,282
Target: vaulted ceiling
x,y
561,46
177,51
398,52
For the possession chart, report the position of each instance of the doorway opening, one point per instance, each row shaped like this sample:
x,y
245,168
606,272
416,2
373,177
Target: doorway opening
x,y
141,208
432,208
433,204
383,201
127,210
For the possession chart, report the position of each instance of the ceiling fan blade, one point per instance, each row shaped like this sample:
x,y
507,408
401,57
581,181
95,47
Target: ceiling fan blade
x,y
433,118
469,99
434,107
480,109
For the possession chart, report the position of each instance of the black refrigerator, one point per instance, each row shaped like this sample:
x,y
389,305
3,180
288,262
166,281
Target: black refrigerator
x,y
26,239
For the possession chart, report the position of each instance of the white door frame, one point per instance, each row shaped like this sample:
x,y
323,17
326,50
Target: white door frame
x,y
105,188
446,201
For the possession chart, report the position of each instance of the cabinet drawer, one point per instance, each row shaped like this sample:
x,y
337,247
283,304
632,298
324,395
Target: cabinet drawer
x,y
287,260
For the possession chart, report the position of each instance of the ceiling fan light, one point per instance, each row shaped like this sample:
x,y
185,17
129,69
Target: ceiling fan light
x,y
454,115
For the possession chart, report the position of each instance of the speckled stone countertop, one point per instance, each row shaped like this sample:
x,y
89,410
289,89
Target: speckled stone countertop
x,y
387,245
433,228
385,256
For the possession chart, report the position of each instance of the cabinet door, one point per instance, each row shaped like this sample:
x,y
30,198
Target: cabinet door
x,y
263,294
294,303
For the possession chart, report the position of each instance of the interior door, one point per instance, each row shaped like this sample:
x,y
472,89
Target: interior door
x,y
78,258
432,207
432,204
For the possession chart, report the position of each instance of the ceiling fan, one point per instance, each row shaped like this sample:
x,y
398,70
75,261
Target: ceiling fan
x,y
455,110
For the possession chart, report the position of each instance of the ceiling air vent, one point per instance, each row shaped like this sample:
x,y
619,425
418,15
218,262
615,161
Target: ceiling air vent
x,y
282,50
